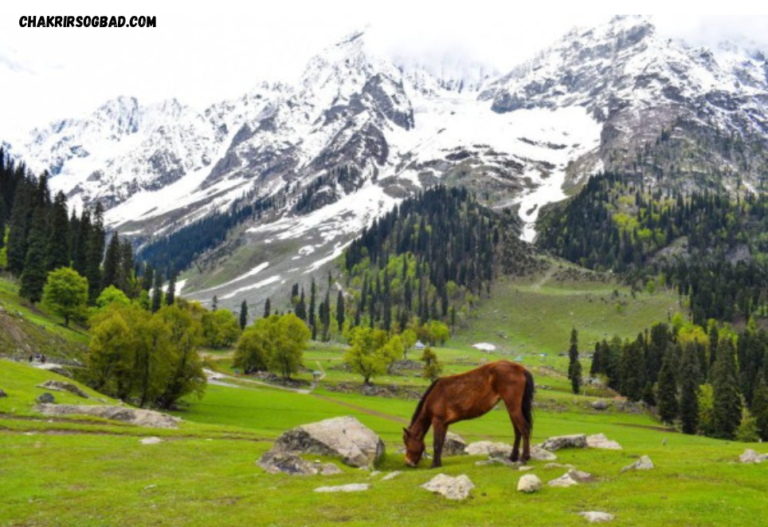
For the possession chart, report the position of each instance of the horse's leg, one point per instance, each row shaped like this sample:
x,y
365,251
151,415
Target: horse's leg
x,y
512,401
516,449
439,430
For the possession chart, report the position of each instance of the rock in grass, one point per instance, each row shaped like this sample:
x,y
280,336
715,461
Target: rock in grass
x,y
294,465
457,488
597,517
46,398
563,481
150,441
600,441
454,445
498,461
488,448
551,466
600,405
540,454
529,483
644,463
391,475
556,443
342,437
135,416
61,386
580,476
2,393
750,456
352,487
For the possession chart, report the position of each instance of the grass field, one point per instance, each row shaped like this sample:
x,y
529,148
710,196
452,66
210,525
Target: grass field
x,y
93,472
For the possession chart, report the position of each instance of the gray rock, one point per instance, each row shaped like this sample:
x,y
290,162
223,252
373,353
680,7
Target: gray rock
x,y
563,481
391,475
61,386
600,405
529,483
580,476
553,444
2,393
342,437
525,468
135,416
352,487
457,488
750,456
454,445
644,463
539,454
551,466
597,517
328,469
488,448
600,441
287,463
46,398
493,460
150,441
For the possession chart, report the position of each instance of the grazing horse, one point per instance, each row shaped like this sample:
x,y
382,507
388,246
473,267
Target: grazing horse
x,y
469,395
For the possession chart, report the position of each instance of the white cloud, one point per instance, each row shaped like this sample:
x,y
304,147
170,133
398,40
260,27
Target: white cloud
x,y
202,54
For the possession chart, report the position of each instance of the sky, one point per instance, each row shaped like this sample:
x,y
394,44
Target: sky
x,y
203,53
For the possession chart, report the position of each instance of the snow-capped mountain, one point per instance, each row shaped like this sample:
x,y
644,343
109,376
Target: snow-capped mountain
x,y
361,130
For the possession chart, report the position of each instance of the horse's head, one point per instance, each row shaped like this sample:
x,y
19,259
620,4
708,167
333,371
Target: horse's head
x,y
414,448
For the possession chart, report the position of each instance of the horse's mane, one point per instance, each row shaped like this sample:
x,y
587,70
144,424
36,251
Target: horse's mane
x,y
420,406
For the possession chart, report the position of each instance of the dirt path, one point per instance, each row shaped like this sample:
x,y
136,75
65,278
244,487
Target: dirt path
x,y
544,279
362,409
220,379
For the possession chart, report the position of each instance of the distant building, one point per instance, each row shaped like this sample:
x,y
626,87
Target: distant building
x,y
419,345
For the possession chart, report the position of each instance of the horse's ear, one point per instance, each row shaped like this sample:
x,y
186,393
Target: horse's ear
x,y
407,432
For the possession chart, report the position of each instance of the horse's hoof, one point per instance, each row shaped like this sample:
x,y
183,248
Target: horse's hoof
x,y
436,465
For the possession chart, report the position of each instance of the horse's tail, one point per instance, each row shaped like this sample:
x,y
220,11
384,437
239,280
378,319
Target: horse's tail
x,y
528,400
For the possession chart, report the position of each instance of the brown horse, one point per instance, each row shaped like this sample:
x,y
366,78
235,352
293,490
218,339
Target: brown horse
x,y
467,396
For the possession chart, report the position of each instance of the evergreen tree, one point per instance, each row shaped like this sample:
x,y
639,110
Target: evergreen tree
x,y
727,398
633,369
243,314
127,278
267,308
34,274
111,273
312,322
689,389
340,311
170,295
20,224
574,366
667,392
59,235
760,407
81,232
95,254
215,303
148,278
157,292
301,307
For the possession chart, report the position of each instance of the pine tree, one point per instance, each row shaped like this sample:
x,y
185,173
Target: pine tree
x,y
760,407
340,311
157,292
632,370
59,236
20,224
170,295
127,278
243,314
574,366
111,273
301,307
267,308
214,303
727,398
82,230
95,254
148,278
667,391
312,322
34,274
689,389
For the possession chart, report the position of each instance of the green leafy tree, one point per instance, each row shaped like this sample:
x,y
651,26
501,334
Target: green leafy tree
x,y
66,293
667,391
186,376
747,431
366,355
221,328
253,347
290,338
706,410
409,341
727,397
432,367
689,389
112,296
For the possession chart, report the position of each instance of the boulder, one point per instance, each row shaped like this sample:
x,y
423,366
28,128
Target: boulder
x,y
457,488
644,463
46,398
553,444
391,475
454,445
750,456
2,393
352,487
539,454
294,465
342,437
596,517
580,476
135,416
563,481
600,405
150,441
600,441
61,386
488,448
529,483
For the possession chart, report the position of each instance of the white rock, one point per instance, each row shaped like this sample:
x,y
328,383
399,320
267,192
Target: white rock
x,y
489,448
580,476
457,488
391,475
151,441
563,481
352,487
569,441
136,416
600,441
750,456
484,346
551,466
529,483
644,463
454,445
525,468
540,454
597,517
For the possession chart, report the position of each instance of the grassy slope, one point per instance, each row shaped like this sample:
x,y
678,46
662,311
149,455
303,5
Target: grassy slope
x,y
92,472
